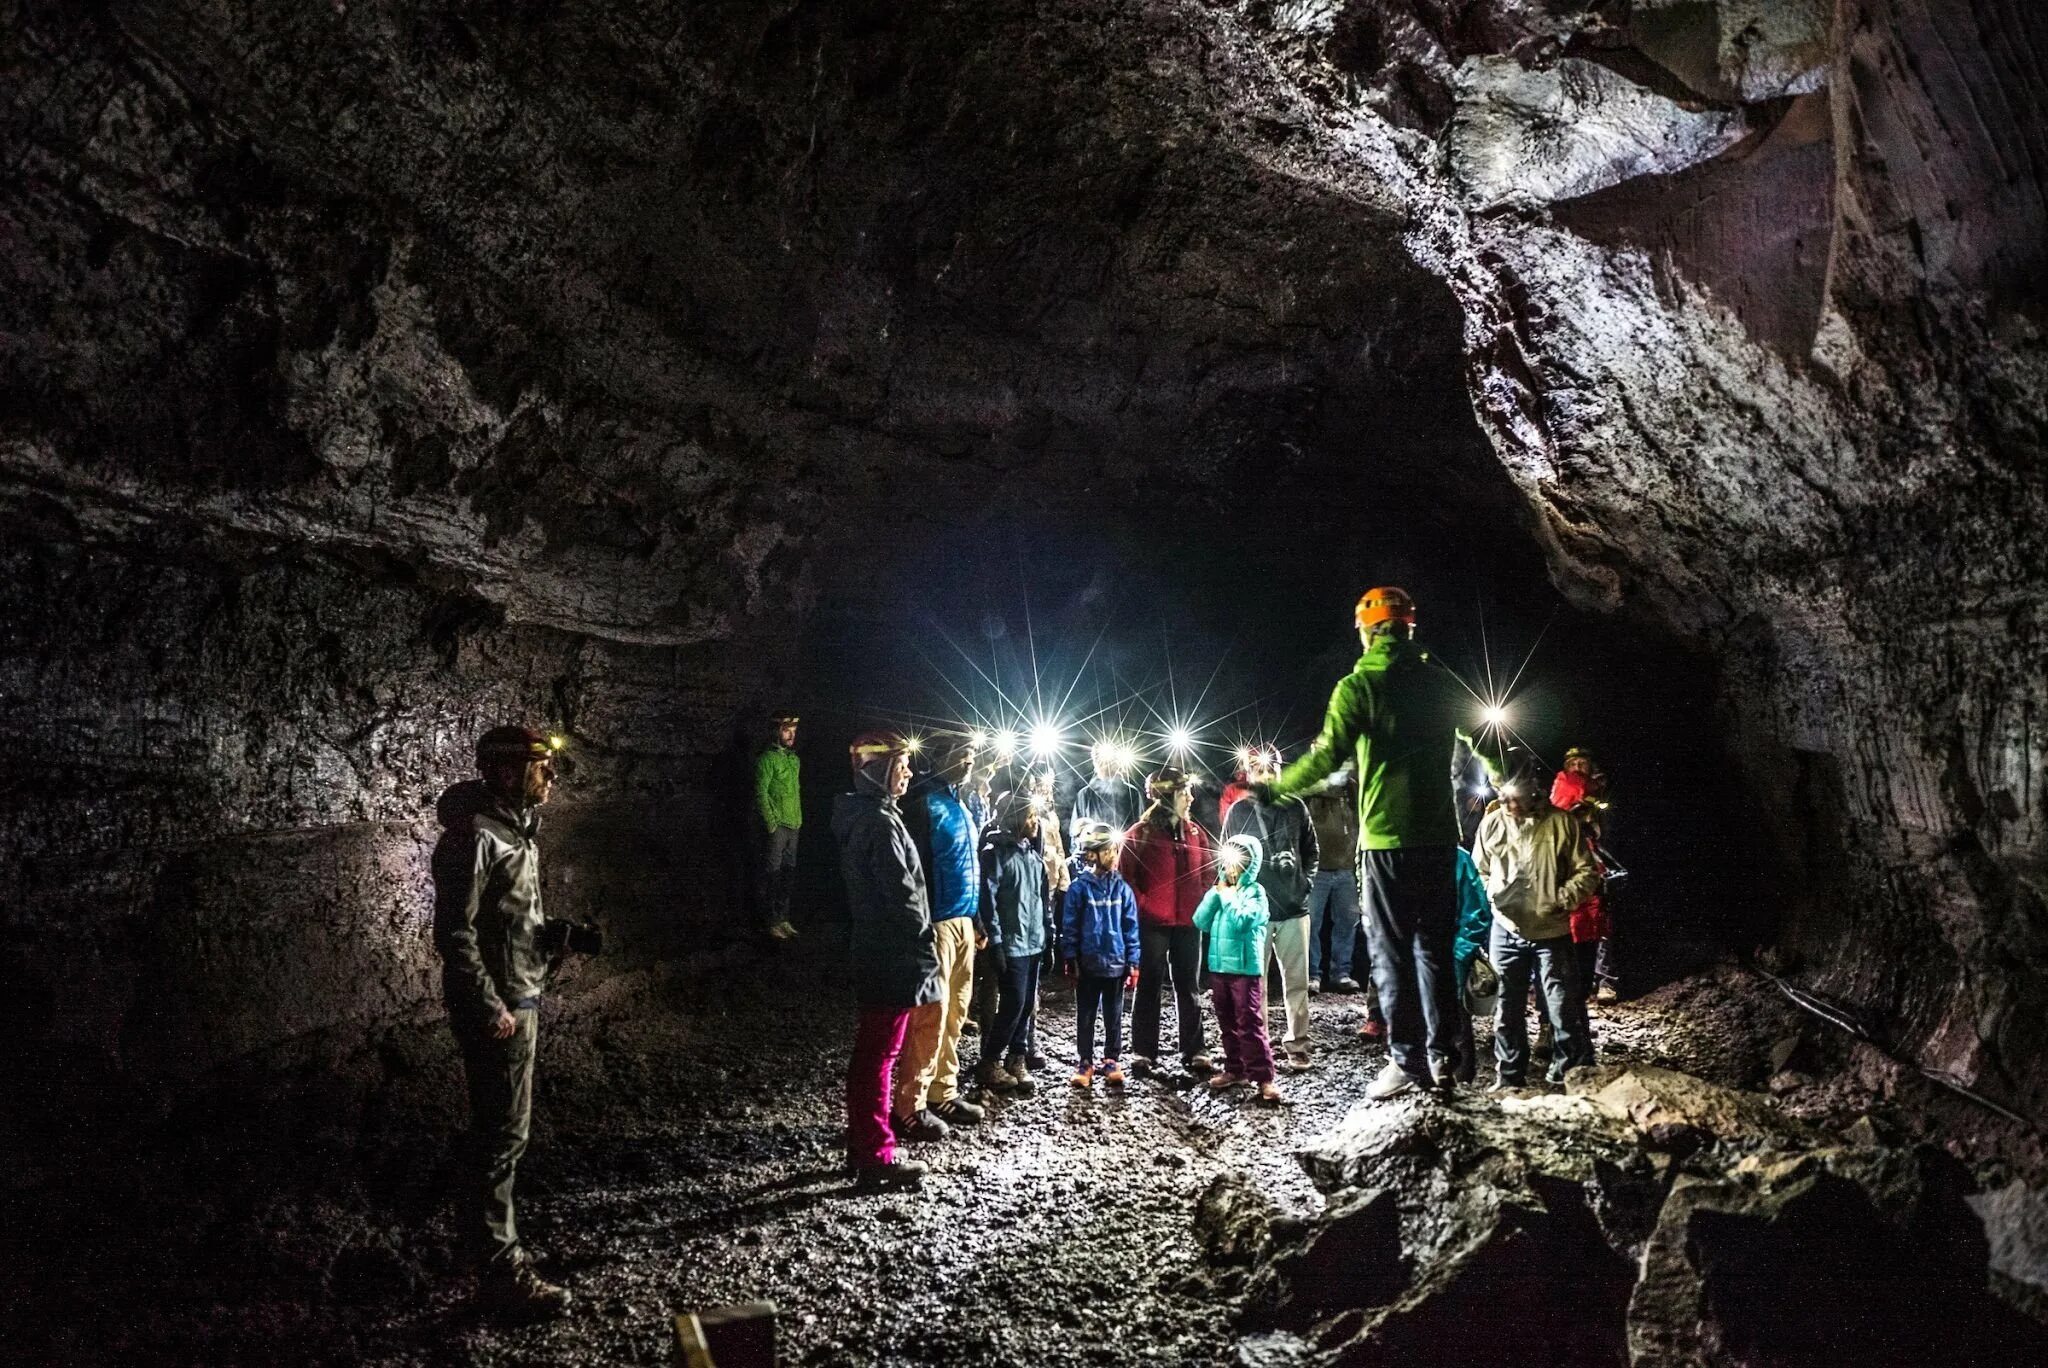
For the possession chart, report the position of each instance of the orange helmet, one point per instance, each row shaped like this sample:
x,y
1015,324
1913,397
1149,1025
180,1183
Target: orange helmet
x,y
1385,604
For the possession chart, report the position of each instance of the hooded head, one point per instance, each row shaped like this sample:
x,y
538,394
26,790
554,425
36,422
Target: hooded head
x,y
1242,856
1017,813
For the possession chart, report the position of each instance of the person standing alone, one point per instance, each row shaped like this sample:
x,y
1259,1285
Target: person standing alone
x,y
779,802
490,932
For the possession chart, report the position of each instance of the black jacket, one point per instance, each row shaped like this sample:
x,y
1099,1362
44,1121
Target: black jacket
x,y
1289,840
893,959
487,907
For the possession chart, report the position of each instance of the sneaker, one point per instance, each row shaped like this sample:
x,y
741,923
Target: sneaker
x,y
782,931
1200,1064
1347,984
1223,1082
1297,1061
1270,1095
1023,1084
958,1111
1392,1082
996,1078
1315,986
1111,1074
1606,995
510,1287
1373,1028
1085,1078
921,1128
899,1173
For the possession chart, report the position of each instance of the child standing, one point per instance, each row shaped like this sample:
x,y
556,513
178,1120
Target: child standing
x,y
1099,948
1234,915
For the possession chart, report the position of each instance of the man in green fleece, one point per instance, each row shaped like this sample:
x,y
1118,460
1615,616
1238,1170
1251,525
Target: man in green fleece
x,y
1397,717
779,805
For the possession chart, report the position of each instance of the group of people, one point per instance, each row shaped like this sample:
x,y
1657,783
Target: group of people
x,y
942,895
963,895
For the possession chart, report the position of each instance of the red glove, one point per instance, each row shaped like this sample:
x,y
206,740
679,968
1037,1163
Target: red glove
x,y
1131,981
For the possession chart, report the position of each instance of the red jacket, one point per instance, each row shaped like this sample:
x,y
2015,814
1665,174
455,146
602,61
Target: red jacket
x,y
1589,918
1234,790
1169,874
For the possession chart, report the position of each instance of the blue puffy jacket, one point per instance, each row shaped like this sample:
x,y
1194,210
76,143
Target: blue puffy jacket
x,y
950,845
1099,924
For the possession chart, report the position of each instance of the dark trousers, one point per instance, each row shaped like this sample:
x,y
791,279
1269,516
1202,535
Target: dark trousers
x,y
1333,912
1554,965
1411,920
1104,995
500,1078
1598,963
1167,955
777,874
1017,993
1240,1001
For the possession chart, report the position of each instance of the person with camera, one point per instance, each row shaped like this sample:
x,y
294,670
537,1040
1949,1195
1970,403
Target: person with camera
x,y
495,948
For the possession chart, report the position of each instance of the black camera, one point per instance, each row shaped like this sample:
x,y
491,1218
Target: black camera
x,y
560,937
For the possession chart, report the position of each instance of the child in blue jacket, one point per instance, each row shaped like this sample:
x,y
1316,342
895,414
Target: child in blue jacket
x,y
1234,915
1099,949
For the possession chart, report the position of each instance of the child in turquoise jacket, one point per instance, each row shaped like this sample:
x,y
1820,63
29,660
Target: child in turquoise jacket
x,y
1233,915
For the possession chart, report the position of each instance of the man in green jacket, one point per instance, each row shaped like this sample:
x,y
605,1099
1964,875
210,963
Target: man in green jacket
x,y
1397,717
779,804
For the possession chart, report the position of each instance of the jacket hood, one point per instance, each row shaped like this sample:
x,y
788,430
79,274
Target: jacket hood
x,y
1255,856
460,803
849,808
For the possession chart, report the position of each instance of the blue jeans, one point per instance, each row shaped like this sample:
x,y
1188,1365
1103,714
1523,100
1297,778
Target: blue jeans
x,y
1332,904
1554,964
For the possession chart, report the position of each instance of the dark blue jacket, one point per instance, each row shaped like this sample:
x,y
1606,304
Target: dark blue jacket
x,y
892,955
1016,897
939,820
1099,924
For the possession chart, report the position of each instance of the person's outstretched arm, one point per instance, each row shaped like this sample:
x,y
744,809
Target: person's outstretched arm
x,y
1344,721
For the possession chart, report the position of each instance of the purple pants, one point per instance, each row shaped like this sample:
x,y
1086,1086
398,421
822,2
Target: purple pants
x,y
877,1040
1241,1016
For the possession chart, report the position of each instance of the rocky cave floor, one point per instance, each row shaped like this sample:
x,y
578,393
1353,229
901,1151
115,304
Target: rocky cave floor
x,y
1062,1230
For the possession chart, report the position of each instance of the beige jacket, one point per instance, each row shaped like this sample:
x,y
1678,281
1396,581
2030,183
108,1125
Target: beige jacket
x,y
1536,871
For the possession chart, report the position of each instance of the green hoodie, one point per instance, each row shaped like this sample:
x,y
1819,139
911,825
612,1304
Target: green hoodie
x,y
775,789
1398,715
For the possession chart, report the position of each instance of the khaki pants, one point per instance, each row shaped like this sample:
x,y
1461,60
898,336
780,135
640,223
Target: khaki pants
x,y
929,1075
1287,943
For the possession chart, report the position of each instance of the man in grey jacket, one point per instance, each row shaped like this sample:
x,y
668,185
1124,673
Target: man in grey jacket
x,y
490,931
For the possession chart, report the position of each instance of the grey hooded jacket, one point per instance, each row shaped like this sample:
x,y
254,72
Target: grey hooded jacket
x,y
487,908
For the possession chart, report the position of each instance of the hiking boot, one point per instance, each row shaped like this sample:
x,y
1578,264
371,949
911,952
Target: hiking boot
x,y
1224,1082
1142,1066
970,1027
1199,1065
1347,984
1085,1078
1546,1040
996,1078
921,1128
1023,1084
1392,1082
510,1287
1270,1095
1035,1062
958,1111
1297,1061
1111,1073
1606,995
782,931
898,1173
1373,1029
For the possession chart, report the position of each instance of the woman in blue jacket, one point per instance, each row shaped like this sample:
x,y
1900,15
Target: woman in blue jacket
x,y
1234,916
1099,949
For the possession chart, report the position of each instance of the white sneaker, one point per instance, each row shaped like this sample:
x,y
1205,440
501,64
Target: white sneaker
x,y
1392,1082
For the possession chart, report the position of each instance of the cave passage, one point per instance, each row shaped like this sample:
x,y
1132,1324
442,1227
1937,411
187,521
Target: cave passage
x,y
378,374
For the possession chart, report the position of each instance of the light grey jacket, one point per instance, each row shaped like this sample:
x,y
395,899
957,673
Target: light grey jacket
x,y
487,909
